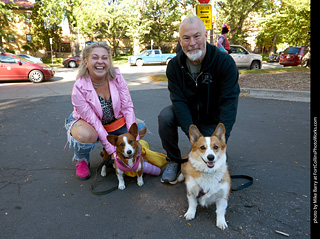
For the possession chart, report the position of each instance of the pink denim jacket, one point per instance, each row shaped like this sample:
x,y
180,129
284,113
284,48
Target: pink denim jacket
x,y
86,105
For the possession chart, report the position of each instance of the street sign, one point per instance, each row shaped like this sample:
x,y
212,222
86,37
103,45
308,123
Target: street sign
x,y
204,1
204,12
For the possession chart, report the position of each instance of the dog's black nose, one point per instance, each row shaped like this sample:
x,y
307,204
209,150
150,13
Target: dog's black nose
x,y
210,157
129,152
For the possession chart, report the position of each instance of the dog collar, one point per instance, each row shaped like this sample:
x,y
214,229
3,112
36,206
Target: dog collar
x,y
126,168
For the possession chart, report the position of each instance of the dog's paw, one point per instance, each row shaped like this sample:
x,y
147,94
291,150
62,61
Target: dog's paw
x,y
221,223
103,171
140,182
181,178
189,215
121,186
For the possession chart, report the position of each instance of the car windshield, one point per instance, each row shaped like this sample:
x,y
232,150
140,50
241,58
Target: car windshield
x,y
238,50
292,50
26,59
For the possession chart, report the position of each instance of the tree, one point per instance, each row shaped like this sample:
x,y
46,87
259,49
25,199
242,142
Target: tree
x,y
138,25
45,18
234,13
115,23
162,14
71,8
7,15
290,23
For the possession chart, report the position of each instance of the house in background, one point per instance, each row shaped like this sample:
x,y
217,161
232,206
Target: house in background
x,y
21,34
19,26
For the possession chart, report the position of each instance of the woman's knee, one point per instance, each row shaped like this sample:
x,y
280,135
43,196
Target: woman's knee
x,y
84,132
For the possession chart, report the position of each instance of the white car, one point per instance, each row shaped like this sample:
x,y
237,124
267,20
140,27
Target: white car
x,y
245,59
31,58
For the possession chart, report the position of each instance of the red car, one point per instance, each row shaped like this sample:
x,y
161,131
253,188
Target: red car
x,y
13,67
292,56
72,61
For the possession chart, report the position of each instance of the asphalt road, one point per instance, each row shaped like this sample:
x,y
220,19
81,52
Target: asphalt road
x,y
41,198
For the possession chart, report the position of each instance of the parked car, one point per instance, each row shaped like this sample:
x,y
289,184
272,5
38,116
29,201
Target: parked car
x,y
31,58
245,59
150,57
13,67
72,61
274,57
292,56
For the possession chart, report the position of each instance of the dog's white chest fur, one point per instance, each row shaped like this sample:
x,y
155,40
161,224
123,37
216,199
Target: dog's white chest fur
x,y
211,185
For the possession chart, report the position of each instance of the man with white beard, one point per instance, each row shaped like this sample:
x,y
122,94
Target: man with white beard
x,y
204,90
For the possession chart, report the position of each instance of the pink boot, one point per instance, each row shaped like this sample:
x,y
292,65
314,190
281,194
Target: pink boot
x,y
82,171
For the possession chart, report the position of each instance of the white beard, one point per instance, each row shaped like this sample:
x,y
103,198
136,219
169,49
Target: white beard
x,y
194,56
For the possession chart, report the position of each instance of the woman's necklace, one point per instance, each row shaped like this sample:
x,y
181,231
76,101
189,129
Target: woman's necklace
x,y
100,83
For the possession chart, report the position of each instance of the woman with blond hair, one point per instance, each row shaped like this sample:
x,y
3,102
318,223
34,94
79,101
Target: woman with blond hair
x,y
102,105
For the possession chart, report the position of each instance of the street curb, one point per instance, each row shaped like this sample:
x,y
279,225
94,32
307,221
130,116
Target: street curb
x,y
290,95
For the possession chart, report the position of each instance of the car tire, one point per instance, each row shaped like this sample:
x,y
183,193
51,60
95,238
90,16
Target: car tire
x,y
72,64
36,76
255,65
139,62
167,62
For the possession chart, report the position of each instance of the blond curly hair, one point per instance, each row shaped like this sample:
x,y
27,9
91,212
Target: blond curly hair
x,y
83,71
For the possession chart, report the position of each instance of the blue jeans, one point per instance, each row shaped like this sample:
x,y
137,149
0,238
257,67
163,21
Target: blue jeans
x,y
82,150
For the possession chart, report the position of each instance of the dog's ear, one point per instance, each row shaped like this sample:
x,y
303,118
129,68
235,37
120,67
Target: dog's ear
x,y
112,139
194,134
134,130
220,132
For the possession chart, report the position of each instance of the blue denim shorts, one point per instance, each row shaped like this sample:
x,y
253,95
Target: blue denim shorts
x,y
122,130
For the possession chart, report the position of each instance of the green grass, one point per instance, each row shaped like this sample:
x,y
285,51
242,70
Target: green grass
x,y
120,59
163,77
56,61
159,78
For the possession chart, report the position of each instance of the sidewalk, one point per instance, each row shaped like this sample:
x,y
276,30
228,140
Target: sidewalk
x,y
301,96
290,95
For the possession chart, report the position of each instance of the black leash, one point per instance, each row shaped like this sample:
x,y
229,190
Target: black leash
x,y
245,185
93,185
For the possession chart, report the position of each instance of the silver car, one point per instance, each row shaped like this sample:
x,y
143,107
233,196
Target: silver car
x,y
244,58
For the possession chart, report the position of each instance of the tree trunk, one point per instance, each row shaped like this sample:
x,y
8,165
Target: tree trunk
x,y
273,48
306,60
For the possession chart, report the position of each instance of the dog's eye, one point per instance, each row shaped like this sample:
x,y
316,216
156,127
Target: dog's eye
x,y
203,147
130,141
122,144
215,147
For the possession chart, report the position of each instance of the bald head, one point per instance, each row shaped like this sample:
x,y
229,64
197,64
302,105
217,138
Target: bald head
x,y
192,38
193,20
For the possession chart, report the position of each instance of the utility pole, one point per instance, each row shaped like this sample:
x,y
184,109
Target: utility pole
x,y
51,50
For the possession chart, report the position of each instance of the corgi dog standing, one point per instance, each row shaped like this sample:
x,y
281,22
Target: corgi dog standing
x,y
127,156
206,174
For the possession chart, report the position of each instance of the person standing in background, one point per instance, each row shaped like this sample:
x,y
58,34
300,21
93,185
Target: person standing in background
x,y
223,43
